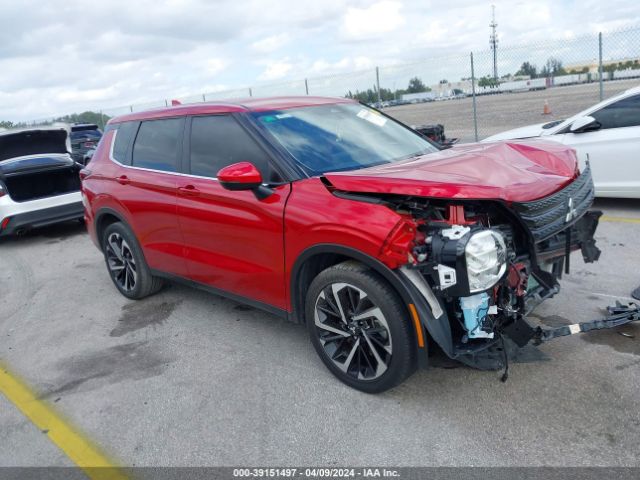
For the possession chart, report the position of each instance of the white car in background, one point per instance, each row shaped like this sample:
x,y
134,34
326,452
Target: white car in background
x,y
607,134
39,182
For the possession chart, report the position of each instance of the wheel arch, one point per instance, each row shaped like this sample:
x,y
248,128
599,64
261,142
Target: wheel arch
x,y
319,257
105,217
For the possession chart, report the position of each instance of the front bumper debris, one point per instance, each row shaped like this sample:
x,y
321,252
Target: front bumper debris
x,y
618,315
521,332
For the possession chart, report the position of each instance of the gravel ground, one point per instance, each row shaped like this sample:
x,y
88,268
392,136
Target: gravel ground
x,y
497,113
187,378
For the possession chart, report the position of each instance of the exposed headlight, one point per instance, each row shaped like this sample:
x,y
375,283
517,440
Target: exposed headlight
x,y
486,259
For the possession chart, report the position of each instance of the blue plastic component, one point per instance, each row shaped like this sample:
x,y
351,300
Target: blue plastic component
x,y
475,309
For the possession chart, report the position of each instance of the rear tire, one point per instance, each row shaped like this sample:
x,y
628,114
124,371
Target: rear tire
x,y
360,328
126,264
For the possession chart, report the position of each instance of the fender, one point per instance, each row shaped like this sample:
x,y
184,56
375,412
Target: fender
x,y
439,329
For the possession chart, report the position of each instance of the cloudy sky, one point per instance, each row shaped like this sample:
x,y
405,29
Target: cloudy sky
x,y
62,57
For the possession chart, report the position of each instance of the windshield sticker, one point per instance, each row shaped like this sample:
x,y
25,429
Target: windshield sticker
x,y
372,117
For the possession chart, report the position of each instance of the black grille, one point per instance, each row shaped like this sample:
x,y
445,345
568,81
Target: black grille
x,y
547,216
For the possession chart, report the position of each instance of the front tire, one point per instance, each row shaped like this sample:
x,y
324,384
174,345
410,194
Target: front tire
x,y
360,328
126,264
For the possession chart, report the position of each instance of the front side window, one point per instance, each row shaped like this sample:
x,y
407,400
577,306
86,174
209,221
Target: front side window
x,y
623,113
157,144
218,141
338,137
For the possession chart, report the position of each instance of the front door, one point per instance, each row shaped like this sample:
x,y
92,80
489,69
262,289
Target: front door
x,y
232,240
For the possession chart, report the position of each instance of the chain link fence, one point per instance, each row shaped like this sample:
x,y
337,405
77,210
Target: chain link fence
x,y
474,95
433,91
554,79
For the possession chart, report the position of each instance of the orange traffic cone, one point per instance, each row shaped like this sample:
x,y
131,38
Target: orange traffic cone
x,y
546,110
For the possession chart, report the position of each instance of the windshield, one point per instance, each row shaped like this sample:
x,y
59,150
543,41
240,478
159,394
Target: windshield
x,y
331,138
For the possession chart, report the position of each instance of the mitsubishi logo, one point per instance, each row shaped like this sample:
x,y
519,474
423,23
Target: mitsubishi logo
x,y
572,213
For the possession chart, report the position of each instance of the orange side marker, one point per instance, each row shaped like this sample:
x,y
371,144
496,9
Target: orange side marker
x,y
416,323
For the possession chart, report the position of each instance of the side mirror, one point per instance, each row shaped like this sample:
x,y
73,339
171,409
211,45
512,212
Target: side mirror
x,y
240,176
584,124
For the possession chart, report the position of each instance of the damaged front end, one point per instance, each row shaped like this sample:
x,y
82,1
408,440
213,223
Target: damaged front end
x,y
483,266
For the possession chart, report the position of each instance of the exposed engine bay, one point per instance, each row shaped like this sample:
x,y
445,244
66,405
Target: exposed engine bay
x,y
486,269
485,265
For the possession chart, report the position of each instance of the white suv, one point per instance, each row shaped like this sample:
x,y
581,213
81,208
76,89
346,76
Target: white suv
x,y
607,134
39,182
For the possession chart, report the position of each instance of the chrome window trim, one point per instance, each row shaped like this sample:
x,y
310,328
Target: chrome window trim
x,y
179,174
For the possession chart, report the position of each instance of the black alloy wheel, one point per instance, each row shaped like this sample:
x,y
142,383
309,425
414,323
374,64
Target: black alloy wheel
x,y
360,328
353,331
120,262
126,263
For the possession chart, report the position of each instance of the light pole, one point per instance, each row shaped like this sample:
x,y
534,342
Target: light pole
x,y
493,41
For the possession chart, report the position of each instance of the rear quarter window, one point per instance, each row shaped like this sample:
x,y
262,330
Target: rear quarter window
x,y
124,135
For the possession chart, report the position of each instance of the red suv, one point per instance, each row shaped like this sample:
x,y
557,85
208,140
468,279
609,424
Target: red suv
x,y
328,212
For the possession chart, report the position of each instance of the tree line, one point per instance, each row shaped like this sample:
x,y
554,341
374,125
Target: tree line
x,y
552,68
98,118
370,95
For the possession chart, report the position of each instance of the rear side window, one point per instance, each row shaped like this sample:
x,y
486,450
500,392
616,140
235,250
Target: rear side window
x,y
124,134
157,145
623,113
218,141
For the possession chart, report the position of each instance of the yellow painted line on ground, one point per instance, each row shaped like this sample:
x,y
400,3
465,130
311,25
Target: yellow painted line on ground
x,y
75,445
606,218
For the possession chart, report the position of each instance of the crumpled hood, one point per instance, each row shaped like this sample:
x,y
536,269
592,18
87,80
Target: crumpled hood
x,y
514,171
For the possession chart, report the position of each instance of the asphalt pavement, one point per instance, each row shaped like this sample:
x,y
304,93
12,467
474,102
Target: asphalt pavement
x,y
186,378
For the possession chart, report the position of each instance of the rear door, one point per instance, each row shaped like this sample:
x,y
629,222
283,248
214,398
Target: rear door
x,y
147,188
613,150
233,241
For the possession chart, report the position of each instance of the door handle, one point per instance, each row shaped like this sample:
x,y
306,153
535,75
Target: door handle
x,y
189,191
123,180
